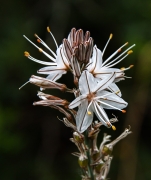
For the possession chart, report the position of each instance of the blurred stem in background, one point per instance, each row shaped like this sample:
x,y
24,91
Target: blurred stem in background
x,y
135,115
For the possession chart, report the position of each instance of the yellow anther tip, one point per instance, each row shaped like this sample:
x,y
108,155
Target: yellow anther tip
x,y
40,50
89,113
26,54
111,36
117,92
123,111
114,128
48,29
35,35
122,69
126,43
131,66
130,52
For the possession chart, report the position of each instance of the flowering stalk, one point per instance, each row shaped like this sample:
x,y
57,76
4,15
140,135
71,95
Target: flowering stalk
x,y
95,90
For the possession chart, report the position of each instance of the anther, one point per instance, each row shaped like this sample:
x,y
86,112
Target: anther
x,y
26,54
119,50
111,36
130,52
40,50
123,111
38,40
89,113
114,128
48,29
36,35
122,69
117,92
131,66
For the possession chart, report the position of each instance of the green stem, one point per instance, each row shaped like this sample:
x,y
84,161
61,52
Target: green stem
x,y
88,143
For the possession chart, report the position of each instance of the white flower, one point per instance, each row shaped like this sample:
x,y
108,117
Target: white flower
x,y
101,69
94,98
59,63
72,55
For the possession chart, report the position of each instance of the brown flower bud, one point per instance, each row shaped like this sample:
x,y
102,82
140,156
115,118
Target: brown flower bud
x,y
59,102
44,96
46,83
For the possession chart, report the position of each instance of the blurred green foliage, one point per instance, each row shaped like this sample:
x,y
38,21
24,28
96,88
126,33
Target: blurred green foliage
x,y
33,143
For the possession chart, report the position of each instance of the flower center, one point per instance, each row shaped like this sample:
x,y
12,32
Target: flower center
x,y
90,97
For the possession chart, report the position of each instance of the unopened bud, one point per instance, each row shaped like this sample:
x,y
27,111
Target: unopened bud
x,y
98,167
78,137
96,155
83,161
46,83
107,150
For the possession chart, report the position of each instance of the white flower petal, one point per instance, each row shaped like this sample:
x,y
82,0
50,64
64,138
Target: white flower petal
x,y
77,101
103,84
54,76
101,114
61,60
104,72
83,119
111,99
95,61
114,88
87,83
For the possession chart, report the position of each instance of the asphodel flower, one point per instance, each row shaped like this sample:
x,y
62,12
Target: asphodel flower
x,y
94,98
101,69
72,55
59,63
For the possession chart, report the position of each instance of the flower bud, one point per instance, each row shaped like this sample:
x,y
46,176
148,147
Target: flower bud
x,y
78,137
46,83
83,161
107,150
95,155
99,166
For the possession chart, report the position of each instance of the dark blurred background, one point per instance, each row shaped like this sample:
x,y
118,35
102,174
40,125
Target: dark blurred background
x,y
34,144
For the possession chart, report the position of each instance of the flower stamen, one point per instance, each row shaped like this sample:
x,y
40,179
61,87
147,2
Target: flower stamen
x,y
24,85
48,29
110,37
39,40
38,61
126,51
123,111
114,128
124,69
46,54
117,51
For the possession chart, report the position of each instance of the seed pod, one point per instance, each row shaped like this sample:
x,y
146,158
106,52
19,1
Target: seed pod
x,y
83,161
78,137
99,166
107,150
